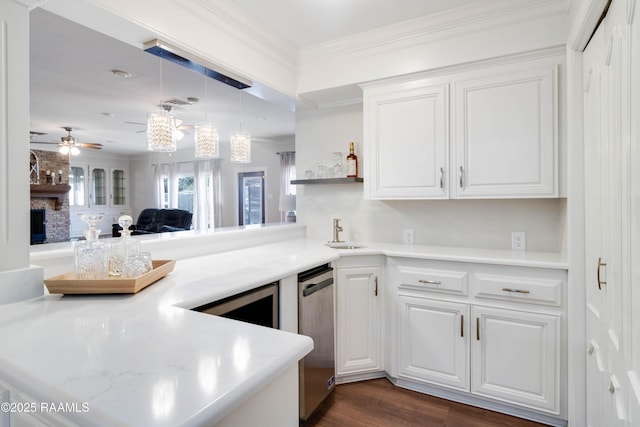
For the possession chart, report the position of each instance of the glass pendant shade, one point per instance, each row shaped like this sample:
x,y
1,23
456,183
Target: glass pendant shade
x,y
241,147
207,142
74,151
64,150
161,132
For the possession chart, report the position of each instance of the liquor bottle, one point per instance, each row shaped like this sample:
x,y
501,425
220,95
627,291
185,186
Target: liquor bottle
x,y
352,163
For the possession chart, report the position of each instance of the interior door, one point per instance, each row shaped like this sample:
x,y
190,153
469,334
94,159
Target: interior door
x,y
605,71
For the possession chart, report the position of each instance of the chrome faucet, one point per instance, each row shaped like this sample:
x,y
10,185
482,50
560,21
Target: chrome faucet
x,y
336,231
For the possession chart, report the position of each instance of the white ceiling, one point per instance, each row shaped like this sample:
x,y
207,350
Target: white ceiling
x,y
71,82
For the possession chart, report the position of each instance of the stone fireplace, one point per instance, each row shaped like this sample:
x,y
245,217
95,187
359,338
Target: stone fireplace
x,y
52,194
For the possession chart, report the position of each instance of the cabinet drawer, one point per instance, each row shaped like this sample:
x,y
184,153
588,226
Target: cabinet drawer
x,y
447,281
523,289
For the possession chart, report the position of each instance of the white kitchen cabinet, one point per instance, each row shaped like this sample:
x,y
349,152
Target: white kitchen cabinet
x,y
491,332
407,131
494,136
433,342
358,321
516,356
506,135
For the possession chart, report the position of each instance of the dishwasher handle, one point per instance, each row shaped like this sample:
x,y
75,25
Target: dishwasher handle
x,y
315,287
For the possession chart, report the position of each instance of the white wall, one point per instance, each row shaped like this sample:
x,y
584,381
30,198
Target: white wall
x,y
466,223
264,158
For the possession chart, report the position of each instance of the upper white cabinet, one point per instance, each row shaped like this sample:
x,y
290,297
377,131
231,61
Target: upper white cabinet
x,y
505,135
485,132
407,140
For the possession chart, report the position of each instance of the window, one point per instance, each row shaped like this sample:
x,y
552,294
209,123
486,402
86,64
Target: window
x,y
185,193
251,198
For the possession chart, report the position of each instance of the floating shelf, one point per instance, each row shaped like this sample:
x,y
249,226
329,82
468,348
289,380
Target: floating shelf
x,y
327,181
49,191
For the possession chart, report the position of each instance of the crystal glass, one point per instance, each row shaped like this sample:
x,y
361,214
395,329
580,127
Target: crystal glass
x,y
91,255
124,248
137,265
338,168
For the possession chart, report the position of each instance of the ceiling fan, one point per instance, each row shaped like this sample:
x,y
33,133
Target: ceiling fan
x,y
68,144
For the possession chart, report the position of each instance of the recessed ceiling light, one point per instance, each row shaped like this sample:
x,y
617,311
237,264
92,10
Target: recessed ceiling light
x,y
121,73
108,114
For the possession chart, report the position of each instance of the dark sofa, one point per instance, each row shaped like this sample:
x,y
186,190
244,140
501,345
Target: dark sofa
x,y
153,220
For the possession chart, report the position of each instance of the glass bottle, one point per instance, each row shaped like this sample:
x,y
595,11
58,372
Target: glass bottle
x,y
352,162
124,249
91,255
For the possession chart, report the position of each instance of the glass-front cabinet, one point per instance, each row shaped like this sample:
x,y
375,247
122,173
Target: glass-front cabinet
x,y
98,191
118,187
97,188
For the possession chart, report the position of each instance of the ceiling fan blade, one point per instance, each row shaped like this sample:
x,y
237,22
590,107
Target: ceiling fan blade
x,y
136,123
42,142
89,145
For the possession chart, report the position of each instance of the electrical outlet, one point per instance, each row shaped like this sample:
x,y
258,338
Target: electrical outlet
x,y
518,240
407,235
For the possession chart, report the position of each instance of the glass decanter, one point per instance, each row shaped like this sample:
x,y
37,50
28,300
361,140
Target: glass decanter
x,y
124,249
91,255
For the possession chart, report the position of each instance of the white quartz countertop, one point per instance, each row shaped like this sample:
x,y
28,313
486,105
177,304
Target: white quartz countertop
x,y
146,359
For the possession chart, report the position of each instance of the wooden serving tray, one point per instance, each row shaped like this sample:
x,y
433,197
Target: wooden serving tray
x,y
68,284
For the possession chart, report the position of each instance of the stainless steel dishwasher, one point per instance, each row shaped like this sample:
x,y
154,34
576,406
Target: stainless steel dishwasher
x,y
315,319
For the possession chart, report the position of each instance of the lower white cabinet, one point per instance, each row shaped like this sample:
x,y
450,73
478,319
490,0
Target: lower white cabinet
x,y
358,320
516,356
433,343
487,334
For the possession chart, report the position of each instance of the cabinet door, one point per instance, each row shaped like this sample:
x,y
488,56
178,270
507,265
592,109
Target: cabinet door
x,y
505,136
119,190
515,357
358,320
98,195
406,135
433,341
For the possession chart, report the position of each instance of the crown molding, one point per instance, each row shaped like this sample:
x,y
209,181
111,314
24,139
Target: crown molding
x,y
451,23
245,28
30,4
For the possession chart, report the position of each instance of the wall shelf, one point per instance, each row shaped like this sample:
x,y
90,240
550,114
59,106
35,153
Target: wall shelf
x,y
49,191
327,181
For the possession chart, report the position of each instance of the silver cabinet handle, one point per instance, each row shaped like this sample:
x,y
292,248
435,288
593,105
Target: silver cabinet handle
x,y
461,177
462,325
441,177
375,292
430,282
601,264
477,328
518,291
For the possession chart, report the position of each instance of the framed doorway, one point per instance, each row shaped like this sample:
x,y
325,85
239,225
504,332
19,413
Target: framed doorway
x,y
251,198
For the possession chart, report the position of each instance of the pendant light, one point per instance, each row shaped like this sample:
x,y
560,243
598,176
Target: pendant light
x,y
206,135
161,127
240,143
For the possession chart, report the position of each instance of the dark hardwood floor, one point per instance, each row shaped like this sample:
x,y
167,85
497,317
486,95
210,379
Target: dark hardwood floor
x,y
378,403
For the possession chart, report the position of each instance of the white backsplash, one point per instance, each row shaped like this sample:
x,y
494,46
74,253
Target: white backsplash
x,y
461,223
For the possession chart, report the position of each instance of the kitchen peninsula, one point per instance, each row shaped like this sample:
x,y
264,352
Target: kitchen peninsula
x,y
148,359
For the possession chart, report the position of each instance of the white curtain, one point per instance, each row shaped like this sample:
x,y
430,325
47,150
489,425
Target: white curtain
x,y
287,173
207,199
